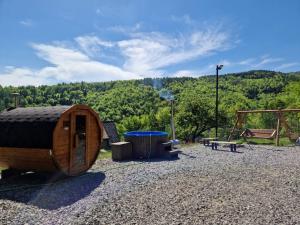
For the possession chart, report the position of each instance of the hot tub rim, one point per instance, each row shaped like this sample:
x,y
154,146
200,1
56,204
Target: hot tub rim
x,y
145,133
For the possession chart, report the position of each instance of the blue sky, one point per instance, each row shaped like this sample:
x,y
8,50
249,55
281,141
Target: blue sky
x,y
47,42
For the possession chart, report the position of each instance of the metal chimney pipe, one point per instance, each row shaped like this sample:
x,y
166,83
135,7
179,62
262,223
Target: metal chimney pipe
x,y
16,98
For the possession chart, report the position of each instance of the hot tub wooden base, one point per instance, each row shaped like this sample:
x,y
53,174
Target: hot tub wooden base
x,y
146,144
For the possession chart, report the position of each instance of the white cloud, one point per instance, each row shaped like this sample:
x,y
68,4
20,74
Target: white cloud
x,y
72,65
139,55
146,53
20,76
26,23
187,73
153,51
67,65
250,63
91,45
59,55
265,60
286,65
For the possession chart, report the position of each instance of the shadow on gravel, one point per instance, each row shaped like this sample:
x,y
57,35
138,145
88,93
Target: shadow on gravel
x,y
222,150
157,159
188,155
50,191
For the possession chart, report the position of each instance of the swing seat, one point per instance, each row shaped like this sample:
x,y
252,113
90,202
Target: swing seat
x,y
259,133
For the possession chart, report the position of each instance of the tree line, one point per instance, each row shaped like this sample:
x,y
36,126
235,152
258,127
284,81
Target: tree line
x,y
139,105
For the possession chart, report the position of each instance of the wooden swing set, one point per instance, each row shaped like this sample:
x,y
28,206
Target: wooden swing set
x,y
265,133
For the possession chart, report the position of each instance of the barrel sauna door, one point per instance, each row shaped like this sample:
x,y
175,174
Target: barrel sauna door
x,y
79,148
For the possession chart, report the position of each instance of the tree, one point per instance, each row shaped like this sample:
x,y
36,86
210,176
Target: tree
x,y
194,115
163,119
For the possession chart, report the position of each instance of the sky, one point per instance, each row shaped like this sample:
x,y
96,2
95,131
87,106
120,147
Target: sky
x,y
49,42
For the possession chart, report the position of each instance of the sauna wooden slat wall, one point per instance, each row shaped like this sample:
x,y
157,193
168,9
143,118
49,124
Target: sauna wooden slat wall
x,y
61,143
27,159
94,139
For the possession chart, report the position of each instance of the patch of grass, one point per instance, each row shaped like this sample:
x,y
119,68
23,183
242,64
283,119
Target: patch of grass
x,y
286,142
240,141
3,168
104,154
255,141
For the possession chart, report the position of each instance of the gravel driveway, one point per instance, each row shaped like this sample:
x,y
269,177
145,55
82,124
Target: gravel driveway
x,y
257,185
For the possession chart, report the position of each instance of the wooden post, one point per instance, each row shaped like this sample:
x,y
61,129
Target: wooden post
x,y
278,128
287,128
233,129
238,123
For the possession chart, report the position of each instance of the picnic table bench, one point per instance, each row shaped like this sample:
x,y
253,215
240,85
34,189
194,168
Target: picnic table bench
x,y
206,141
232,145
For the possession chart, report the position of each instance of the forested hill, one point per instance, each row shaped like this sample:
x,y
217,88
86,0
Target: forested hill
x,y
136,104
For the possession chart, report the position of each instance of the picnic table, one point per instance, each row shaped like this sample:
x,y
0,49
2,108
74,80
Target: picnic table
x,y
206,141
232,145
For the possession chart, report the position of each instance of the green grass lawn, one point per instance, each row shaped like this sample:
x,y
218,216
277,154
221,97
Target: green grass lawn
x,y
255,141
2,168
104,154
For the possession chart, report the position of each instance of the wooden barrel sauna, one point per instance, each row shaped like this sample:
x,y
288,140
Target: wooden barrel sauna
x,y
63,139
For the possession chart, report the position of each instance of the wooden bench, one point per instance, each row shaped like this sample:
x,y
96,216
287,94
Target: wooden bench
x,y
206,141
232,145
259,133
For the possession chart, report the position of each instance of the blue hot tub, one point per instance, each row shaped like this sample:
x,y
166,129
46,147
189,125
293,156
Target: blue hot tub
x,y
146,144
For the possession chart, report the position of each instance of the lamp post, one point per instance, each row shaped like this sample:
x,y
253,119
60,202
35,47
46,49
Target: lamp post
x,y
218,67
172,119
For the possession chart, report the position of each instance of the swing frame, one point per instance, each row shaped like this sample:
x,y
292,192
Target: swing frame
x,y
281,121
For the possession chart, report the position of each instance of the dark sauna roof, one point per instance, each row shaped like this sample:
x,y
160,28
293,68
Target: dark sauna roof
x,y
30,127
33,114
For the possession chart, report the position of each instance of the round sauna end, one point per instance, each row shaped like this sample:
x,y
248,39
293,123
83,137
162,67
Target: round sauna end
x,y
77,140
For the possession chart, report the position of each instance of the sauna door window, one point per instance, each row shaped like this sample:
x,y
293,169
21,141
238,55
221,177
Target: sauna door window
x,y
80,140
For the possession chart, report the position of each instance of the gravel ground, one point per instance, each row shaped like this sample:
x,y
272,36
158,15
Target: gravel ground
x,y
258,185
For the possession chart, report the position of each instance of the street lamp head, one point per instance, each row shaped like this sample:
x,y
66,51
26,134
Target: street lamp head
x,y
219,67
